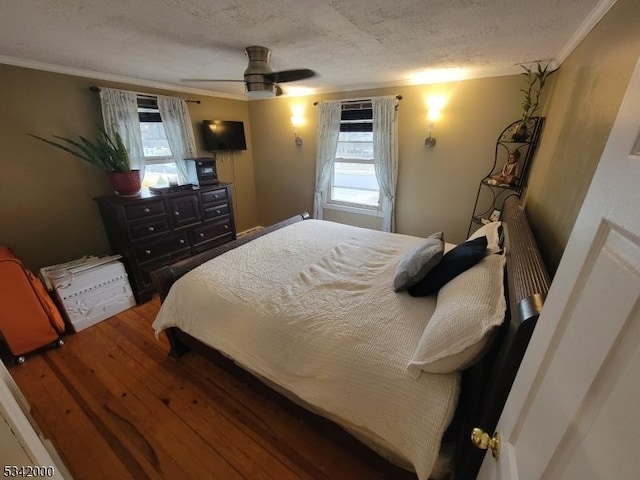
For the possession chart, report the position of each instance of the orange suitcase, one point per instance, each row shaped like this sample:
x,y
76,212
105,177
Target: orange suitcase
x,y
29,319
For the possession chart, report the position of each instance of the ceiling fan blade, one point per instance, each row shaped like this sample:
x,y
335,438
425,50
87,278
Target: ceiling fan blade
x,y
208,80
290,75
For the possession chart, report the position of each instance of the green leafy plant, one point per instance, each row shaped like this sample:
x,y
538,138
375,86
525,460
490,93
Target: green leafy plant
x,y
536,78
110,155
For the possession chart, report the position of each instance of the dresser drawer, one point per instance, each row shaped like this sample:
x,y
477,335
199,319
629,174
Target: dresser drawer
x,y
214,196
215,211
184,211
212,230
177,243
144,210
154,250
139,232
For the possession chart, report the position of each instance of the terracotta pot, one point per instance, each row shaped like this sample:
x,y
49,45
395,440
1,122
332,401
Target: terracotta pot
x,y
126,184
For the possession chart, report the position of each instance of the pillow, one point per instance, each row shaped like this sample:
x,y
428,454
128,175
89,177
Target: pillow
x,y
468,309
492,232
418,261
453,263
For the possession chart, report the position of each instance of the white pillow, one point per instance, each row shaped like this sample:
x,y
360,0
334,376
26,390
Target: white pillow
x,y
468,308
491,231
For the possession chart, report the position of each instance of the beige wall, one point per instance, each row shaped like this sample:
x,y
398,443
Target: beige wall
x,y
581,108
47,214
436,186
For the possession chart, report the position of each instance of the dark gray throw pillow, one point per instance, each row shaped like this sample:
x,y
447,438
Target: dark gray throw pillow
x,y
418,261
456,261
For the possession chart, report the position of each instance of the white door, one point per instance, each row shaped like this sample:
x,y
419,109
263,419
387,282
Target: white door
x,y
574,409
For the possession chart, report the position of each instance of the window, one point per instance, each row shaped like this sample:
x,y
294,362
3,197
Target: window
x,y
160,168
353,178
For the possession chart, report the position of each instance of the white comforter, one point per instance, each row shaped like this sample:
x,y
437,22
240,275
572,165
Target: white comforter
x,y
310,308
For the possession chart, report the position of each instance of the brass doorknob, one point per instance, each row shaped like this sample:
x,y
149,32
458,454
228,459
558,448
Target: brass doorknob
x,y
482,440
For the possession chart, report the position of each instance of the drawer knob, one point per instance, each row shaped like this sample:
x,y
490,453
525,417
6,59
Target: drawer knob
x,y
201,234
218,212
147,252
215,196
226,227
151,229
181,241
177,214
146,210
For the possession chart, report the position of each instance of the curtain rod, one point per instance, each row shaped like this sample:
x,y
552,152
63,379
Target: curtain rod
x,y
399,97
93,88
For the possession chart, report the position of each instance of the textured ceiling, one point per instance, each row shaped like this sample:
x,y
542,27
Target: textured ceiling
x,y
351,44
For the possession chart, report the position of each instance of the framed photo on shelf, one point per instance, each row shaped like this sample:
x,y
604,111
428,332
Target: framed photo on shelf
x,y
495,215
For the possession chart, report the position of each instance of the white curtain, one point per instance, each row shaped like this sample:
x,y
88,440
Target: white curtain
x,y
120,114
327,144
385,155
177,125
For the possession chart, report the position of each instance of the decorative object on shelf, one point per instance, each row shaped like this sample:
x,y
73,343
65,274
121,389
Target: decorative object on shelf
x,y
510,173
509,179
110,155
537,76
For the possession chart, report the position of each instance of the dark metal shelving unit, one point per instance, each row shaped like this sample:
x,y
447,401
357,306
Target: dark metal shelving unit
x,y
490,196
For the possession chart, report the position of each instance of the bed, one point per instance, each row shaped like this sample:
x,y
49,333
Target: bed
x,y
307,306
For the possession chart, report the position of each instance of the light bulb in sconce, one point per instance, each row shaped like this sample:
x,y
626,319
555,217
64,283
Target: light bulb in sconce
x,y
296,121
430,141
435,103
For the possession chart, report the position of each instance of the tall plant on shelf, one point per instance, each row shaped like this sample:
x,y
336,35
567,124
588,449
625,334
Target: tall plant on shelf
x,y
106,153
536,76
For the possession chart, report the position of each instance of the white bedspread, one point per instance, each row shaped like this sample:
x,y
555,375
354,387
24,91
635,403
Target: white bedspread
x,y
310,308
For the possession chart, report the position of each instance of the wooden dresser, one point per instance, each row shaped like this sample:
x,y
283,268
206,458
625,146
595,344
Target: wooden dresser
x,y
151,231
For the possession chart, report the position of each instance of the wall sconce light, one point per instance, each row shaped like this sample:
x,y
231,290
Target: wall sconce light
x,y
430,141
296,121
434,106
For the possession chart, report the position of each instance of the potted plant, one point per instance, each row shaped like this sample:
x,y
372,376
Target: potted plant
x,y
110,155
536,78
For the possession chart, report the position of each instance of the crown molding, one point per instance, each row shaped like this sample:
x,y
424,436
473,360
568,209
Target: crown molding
x,y
78,72
591,21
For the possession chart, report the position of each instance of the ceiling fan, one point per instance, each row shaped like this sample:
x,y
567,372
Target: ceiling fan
x,y
260,81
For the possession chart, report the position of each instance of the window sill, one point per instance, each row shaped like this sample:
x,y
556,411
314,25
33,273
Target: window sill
x,y
373,212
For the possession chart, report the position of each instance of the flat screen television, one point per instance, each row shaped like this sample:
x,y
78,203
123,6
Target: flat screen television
x,y
221,135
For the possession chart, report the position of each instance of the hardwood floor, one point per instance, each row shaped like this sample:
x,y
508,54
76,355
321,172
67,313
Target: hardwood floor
x,y
116,406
